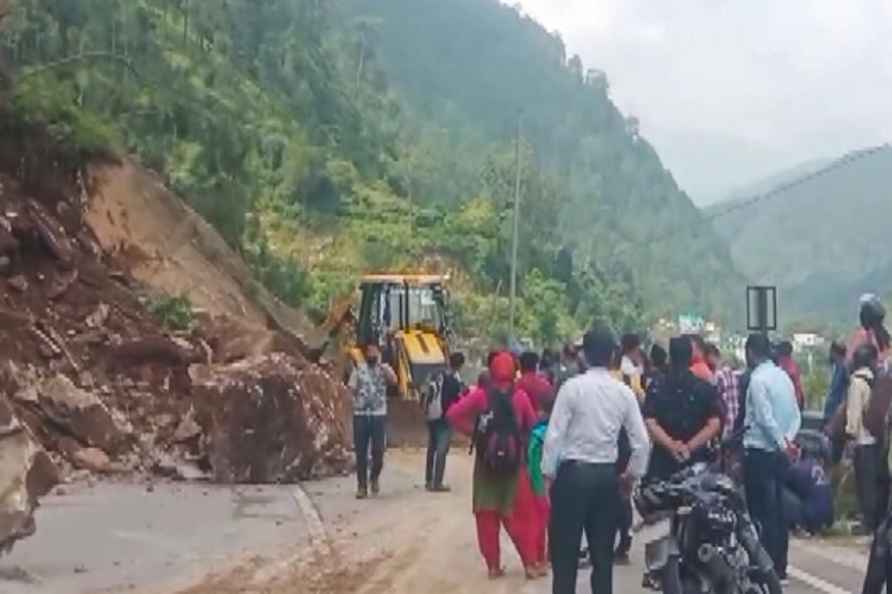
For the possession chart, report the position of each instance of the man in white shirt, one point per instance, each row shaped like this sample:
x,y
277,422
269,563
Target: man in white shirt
x,y
579,460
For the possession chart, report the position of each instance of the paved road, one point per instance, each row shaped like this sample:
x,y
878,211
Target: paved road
x,y
114,537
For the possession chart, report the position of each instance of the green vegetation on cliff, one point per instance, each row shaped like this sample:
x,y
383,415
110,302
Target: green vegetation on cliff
x,y
324,139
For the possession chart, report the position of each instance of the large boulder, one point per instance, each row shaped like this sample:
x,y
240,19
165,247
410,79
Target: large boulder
x,y
81,414
26,474
271,419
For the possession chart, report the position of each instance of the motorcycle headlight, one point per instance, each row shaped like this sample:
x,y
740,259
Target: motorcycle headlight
x,y
721,519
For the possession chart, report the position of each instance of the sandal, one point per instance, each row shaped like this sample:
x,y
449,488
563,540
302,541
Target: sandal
x,y
496,573
533,572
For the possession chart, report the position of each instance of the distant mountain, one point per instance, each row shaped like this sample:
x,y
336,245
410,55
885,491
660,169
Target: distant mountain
x,y
821,235
767,184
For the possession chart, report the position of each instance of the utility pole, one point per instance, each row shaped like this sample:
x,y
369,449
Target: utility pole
x,y
514,239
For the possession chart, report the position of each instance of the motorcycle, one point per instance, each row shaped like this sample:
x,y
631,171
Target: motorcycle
x,y
712,546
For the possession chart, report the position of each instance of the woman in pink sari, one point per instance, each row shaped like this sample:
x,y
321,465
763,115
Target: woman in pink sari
x,y
501,499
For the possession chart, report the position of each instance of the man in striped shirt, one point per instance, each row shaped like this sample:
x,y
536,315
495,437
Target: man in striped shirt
x,y
727,382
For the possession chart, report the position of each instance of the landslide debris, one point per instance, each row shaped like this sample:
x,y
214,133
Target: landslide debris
x,y
101,384
26,474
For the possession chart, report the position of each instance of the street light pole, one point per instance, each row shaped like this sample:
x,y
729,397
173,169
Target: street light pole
x,y
514,239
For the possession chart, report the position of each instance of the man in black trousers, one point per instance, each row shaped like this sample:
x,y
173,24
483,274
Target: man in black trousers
x,y
772,422
579,461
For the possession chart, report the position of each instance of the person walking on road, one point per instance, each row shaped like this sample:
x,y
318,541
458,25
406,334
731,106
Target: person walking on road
x,y
537,480
868,453
579,459
368,384
772,421
443,392
499,419
682,415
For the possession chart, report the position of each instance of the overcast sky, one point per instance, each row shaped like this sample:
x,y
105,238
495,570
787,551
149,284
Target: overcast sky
x,y
732,90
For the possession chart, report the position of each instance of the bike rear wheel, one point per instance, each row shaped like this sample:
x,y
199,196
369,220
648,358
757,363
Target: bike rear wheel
x,y
766,584
671,576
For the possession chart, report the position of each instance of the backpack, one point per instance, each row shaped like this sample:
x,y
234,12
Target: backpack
x,y
500,447
433,398
878,407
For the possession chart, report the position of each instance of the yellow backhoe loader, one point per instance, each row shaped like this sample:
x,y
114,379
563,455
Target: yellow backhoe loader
x,y
408,316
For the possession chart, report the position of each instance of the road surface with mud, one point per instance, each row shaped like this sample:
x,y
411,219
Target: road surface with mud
x,y
311,539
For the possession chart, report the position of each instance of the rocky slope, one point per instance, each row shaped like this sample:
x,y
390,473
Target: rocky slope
x,y
89,375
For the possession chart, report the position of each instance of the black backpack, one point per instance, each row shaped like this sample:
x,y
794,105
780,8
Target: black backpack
x,y
498,440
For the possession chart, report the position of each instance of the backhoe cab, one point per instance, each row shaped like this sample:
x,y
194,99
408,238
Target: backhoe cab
x,y
408,316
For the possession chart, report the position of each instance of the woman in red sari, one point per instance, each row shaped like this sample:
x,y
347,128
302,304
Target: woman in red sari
x,y
501,500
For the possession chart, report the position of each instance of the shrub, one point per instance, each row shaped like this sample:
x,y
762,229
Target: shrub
x,y
174,312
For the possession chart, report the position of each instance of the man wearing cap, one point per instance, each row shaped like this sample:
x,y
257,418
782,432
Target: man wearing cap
x,y
579,459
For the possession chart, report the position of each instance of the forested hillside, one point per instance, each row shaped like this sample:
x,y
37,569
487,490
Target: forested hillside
x,y
329,138
823,240
469,68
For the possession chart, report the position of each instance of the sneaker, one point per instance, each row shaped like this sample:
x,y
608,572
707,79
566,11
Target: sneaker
x,y
649,582
441,489
376,487
362,493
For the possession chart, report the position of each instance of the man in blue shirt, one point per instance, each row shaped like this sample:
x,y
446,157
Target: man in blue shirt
x,y
772,422
839,380
836,395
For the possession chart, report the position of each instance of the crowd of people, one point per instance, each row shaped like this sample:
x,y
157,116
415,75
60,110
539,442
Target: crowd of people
x,y
560,440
